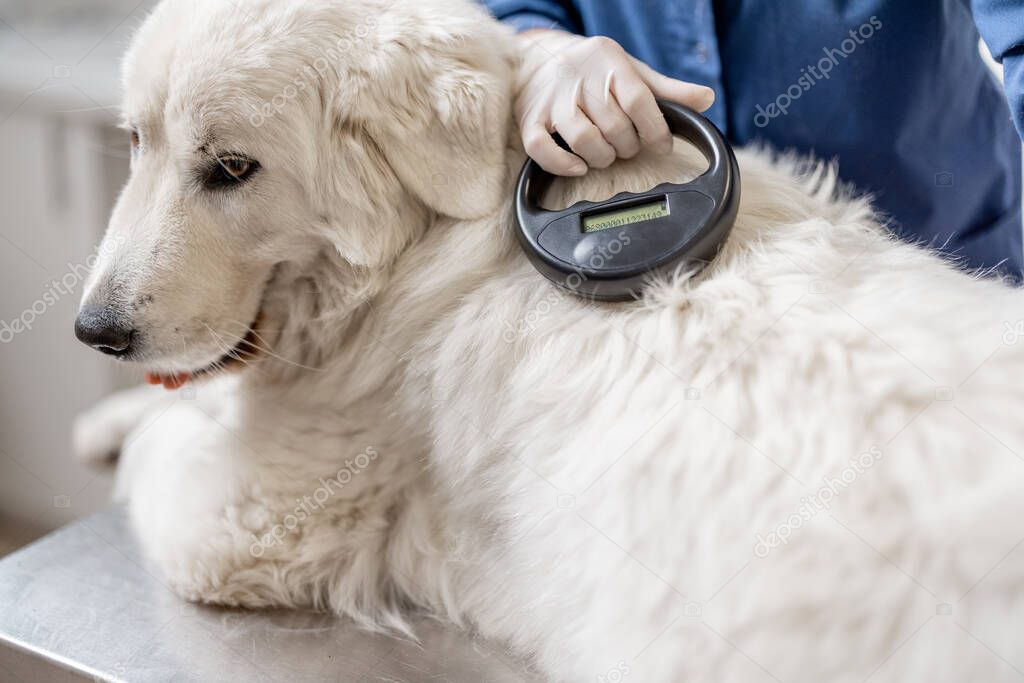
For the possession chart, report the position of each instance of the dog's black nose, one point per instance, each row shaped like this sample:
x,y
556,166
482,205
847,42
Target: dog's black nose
x,y
104,331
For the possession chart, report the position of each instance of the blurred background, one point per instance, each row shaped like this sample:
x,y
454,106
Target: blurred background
x,y
63,161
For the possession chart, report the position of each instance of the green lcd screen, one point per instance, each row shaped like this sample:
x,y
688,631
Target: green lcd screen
x,y
620,217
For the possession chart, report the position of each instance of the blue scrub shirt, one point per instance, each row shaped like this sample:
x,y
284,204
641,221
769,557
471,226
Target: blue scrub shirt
x,y
895,90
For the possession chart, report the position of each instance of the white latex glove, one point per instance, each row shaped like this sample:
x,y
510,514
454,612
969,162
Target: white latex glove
x,y
597,97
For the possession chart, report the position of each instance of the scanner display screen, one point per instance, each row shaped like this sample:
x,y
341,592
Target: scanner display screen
x,y
627,216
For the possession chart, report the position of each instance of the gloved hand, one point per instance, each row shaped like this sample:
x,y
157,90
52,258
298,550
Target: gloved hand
x,y
597,97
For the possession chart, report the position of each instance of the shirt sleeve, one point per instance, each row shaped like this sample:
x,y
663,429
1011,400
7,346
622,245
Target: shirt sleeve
x,y
524,15
1001,24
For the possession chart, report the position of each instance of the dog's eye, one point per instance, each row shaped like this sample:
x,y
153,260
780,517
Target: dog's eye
x,y
230,170
135,139
236,167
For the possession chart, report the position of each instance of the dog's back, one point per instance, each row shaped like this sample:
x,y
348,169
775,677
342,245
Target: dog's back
x,y
784,466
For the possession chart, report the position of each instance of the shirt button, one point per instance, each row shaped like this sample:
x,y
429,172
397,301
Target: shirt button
x,y
702,52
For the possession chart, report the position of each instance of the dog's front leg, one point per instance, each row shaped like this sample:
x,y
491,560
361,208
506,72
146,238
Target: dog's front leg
x,y
257,512
98,433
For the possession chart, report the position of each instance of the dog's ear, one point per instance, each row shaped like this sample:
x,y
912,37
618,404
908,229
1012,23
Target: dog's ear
x,y
439,92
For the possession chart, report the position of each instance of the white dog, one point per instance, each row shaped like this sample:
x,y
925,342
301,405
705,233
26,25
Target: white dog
x,y
799,464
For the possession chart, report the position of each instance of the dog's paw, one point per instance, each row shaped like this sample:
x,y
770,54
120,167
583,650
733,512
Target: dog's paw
x,y
98,434
95,440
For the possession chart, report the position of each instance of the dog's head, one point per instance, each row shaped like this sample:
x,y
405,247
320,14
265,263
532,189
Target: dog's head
x,y
266,133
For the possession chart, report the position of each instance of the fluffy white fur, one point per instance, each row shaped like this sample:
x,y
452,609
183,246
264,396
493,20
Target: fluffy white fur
x,y
583,482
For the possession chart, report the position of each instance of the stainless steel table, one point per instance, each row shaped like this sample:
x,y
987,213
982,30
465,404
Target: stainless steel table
x,y
82,604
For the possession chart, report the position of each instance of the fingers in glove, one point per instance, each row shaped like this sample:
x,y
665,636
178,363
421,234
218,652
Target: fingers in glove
x,y
697,97
604,111
543,149
579,131
637,101
585,139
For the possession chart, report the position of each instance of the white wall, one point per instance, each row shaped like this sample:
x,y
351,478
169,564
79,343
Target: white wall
x,y
55,190
62,162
